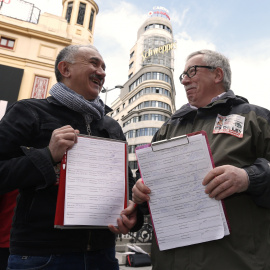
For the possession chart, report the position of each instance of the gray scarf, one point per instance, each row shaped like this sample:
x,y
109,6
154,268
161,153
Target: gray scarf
x,y
93,109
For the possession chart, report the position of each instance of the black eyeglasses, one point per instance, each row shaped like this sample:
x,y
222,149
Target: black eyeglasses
x,y
191,72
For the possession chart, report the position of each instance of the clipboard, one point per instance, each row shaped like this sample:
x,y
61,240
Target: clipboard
x,y
93,184
182,214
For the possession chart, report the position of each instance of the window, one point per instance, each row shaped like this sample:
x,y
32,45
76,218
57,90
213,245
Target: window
x,y
131,134
147,90
69,11
146,117
153,103
144,132
149,76
129,76
81,14
133,165
131,149
91,20
7,43
131,65
131,55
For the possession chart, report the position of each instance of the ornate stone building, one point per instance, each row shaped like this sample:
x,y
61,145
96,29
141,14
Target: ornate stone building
x,y
30,42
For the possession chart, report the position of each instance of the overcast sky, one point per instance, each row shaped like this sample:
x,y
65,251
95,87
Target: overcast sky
x,y
240,29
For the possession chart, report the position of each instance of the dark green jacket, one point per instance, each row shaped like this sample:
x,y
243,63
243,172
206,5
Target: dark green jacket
x,y
248,245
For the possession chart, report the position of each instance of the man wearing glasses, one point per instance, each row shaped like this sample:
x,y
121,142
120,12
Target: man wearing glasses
x,y
239,137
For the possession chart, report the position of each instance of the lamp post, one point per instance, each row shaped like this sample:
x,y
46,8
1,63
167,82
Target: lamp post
x,y
106,90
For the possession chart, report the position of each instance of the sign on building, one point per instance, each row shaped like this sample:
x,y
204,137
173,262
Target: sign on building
x,y
40,87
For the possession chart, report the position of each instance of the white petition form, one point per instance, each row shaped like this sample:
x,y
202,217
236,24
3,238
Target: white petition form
x,y
95,182
182,213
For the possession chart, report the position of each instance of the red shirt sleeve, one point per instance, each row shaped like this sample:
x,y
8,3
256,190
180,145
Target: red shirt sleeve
x,y
7,205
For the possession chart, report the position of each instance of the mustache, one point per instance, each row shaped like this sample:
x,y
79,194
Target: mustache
x,y
188,87
98,78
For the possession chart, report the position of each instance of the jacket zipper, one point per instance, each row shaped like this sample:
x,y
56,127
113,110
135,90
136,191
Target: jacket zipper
x,y
88,248
88,129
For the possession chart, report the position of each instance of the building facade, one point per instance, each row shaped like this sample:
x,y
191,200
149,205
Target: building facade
x,y
147,99
30,42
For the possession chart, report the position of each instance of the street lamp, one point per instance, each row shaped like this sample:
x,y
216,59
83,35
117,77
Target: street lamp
x,y
105,90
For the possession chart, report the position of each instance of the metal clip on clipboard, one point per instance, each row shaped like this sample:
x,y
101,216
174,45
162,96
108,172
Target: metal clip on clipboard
x,y
167,143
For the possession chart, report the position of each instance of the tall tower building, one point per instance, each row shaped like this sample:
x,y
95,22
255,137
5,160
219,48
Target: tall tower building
x,y
147,99
30,42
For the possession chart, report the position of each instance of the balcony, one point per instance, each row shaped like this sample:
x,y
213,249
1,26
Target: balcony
x,y
20,10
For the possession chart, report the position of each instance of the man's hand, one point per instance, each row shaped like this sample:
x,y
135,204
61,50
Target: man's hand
x,y
224,181
61,140
140,192
127,221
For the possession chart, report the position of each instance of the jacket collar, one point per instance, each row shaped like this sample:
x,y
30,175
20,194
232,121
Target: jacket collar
x,y
228,96
52,100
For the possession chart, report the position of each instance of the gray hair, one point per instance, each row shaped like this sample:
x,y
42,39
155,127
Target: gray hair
x,y
68,54
215,59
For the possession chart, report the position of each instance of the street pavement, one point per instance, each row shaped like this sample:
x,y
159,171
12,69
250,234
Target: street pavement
x,y
123,245
123,267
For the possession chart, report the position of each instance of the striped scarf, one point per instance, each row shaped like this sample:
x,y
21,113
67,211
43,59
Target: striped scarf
x,y
93,109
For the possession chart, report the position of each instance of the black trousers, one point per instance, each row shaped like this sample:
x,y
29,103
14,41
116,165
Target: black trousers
x,y
4,253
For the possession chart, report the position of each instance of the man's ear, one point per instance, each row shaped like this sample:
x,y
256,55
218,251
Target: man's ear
x,y
219,75
64,69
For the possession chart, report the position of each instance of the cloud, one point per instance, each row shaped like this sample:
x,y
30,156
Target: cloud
x,y
176,20
250,79
118,26
249,72
115,40
115,35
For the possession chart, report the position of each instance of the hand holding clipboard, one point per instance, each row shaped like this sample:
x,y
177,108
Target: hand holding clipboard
x,y
181,212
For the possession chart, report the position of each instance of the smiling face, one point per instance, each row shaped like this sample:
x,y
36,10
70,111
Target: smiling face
x,y
86,75
201,88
